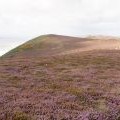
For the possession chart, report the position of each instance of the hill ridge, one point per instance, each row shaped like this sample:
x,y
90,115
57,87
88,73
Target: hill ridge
x,y
52,44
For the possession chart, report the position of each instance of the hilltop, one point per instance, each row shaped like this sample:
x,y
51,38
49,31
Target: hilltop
x,y
46,45
54,77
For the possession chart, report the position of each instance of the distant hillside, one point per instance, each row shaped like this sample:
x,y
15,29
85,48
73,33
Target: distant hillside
x,y
46,45
56,44
102,37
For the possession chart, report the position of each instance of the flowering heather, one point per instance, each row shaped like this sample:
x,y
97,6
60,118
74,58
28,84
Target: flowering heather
x,y
79,86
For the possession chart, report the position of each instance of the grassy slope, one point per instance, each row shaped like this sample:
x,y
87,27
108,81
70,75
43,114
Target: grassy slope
x,y
76,86
46,45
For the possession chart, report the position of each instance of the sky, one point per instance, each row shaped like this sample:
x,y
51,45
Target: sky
x,y
21,20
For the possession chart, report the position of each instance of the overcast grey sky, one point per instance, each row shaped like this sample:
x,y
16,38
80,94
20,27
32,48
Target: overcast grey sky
x,y
21,20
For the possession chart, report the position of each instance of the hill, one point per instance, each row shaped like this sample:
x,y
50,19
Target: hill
x,y
56,44
47,45
102,37
55,77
